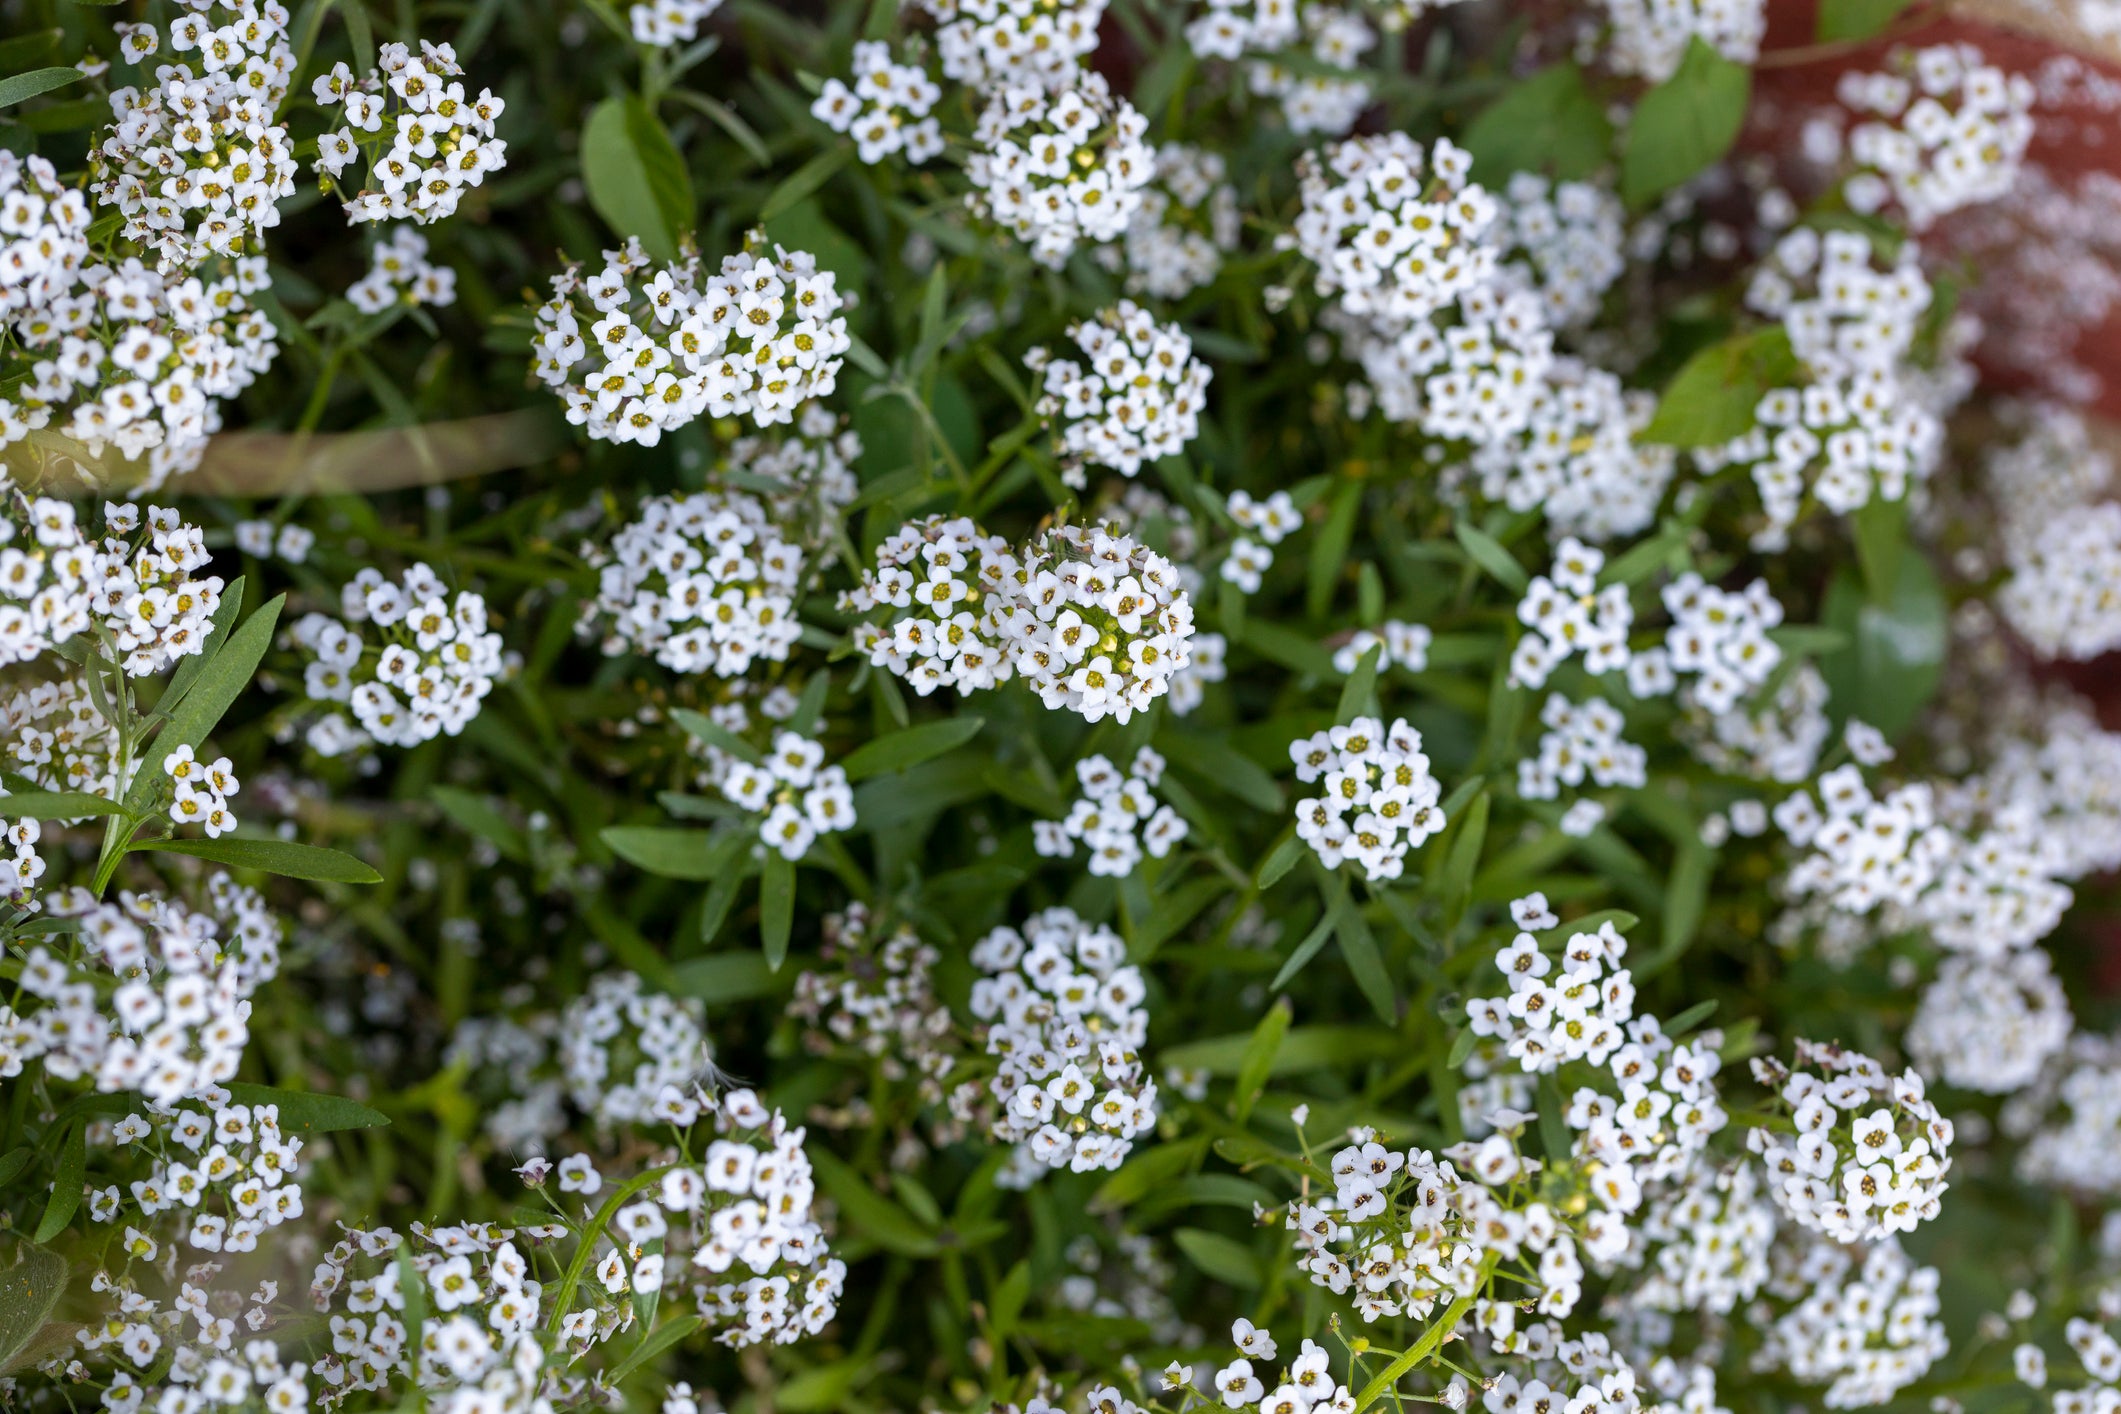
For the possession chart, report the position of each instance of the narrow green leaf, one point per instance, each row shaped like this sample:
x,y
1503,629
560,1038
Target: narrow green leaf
x,y
282,857
867,1213
1329,552
1462,1049
1895,657
307,1111
188,671
66,1184
706,729
217,687
480,817
1684,124
30,1287
806,179
1278,862
1692,1017
1685,895
1358,697
1549,122
13,1162
776,906
1009,1298
20,86
1149,1169
672,853
1225,1259
1258,1063
1715,393
56,805
1358,945
810,707
635,178
360,33
655,1343
897,751
1213,761
1489,554
1314,942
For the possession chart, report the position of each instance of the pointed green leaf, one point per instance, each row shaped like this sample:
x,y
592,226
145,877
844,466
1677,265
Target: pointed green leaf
x,y
1684,124
282,857
897,751
635,177
776,906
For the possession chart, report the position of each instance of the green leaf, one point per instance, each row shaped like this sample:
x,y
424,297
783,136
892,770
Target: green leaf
x,y
1685,895
1843,20
635,177
806,179
1314,942
307,1111
868,1213
66,1183
1489,554
1692,1017
1225,1259
1279,862
810,707
1684,124
1358,945
479,816
1252,1072
1462,1049
283,857
1215,762
655,1343
673,853
360,34
56,805
20,86
1895,657
896,751
1150,1169
1463,861
188,671
1358,697
214,691
1414,1354
1173,911
1304,1048
13,1162
776,906
1713,396
29,1290
713,733
1550,122
723,978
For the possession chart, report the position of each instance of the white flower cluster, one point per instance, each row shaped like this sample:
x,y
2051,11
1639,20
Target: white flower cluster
x,y
1476,381
1396,235
1651,1125
43,235
1954,132
57,738
1576,458
796,795
1870,1151
399,271
1096,622
1649,37
888,110
1187,223
668,23
1567,239
1323,93
437,662
1552,1370
1718,638
1138,400
1554,1016
197,163
291,542
227,1171
1990,1024
1776,740
704,583
200,791
1378,799
181,1353
950,577
1064,1016
1116,817
1569,614
2064,593
1060,168
137,588
1306,1382
1581,740
144,359
631,1056
814,464
1403,645
1711,1241
2069,1122
1228,29
1853,430
440,142
1865,1331
758,340
180,1014
1209,663
878,997
986,44
1273,521
1984,894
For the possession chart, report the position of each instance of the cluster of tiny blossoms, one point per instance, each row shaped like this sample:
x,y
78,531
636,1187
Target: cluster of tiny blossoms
x,y
1064,1019
795,793
1552,1017
1273,521
669,23
197,163
1948,133
1139,398
1866,1330
137,587
1869,1151
759,339
1569,614
1581,740
887,110
1650,37
1378,802
398,272
1116,817
704,582
1096,622
987,43
439,141
1187,222
948,575
437,661
1990,1025
1059,169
